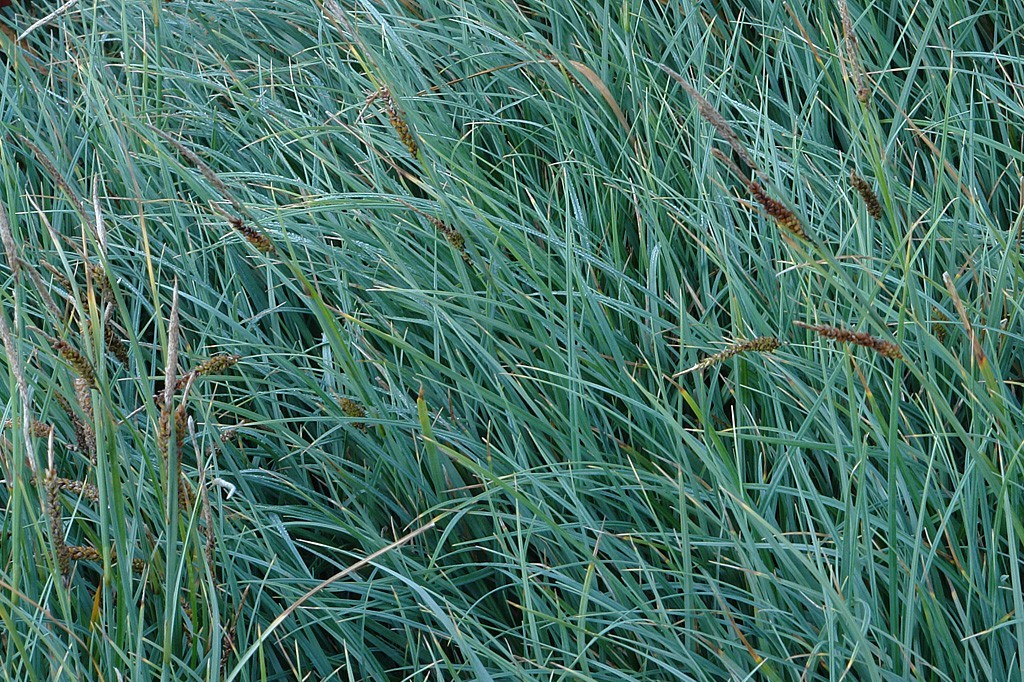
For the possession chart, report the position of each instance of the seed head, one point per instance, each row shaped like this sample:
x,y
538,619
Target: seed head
x,y
938,326
114,344
399,123
257,239
77,361
880,346
79,488
217,364
350,408
53,514
84,553
451,234
784,217
762,344
867,194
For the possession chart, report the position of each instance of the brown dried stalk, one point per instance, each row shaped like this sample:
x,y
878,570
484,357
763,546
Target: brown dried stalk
x,y
730,164
762,344
784,217
712,116
78,362
7,237
58,276
350,408
52,511
852,49
451,234
397,121
203,168
60,181
252,235
868,195
880,346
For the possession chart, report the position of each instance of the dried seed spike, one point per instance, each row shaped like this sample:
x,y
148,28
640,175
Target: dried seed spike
x,y
83,394
113,342
257,239
217,364
84,553
58,276
762,344
852,50
976,348
184,493
730,164
880,346
101,228
86,490
784,217
204,498
98,275
14,363
203,168
40,429
869,197
7,237
60,181
712,116
399,124
52,511
453,236
173,338
84,438
44,291
77,361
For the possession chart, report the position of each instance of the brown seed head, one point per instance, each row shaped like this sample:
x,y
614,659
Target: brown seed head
x,y
711,115
77,361
762,344
453,236
217,364
257,239
83,553
352,409
880,346
938,326
398,123
39,429
99,278
86,490
53,514
114,344
868,195
784,217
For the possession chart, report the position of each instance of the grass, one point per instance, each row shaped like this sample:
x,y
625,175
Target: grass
x,y
511,341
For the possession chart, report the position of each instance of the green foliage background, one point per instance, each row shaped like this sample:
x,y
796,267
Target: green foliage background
x,y
580,508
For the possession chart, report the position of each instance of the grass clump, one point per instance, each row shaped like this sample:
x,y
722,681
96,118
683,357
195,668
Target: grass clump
x,y
359,342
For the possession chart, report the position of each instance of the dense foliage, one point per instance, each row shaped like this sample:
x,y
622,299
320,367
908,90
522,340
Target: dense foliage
x,y
398,339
